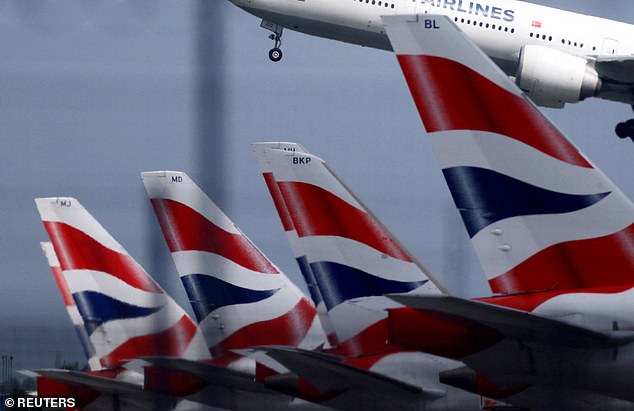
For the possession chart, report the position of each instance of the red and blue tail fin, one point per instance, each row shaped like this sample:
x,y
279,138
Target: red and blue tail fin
x,y
291,233
125,312
539,214
354,258
71,307
240,298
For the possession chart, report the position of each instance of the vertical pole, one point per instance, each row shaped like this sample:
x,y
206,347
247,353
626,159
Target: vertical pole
x,y
210,100
208,139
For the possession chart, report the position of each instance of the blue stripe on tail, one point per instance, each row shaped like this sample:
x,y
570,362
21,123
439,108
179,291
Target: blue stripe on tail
x,y
485,196
339,283
207,294
96,308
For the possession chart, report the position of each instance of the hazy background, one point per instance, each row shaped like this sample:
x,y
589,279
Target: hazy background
x,y
94,92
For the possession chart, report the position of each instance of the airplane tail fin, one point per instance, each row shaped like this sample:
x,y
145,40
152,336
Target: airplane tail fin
x,y
352,256
539,214
291,233
125,312
240,298
71,307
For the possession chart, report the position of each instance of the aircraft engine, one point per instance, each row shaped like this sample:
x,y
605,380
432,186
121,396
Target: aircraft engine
x,y
552,78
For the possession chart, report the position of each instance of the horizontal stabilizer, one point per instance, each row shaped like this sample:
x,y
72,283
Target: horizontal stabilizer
x,y
210,373
328,373
514,324
97,383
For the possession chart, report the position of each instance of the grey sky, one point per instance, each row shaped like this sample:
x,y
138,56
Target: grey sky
x,y
93,92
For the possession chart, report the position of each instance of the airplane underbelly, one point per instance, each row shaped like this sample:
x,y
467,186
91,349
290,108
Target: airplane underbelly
x,y
364,29
368,34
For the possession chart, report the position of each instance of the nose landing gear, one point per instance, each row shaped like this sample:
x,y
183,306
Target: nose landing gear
x,y
275,54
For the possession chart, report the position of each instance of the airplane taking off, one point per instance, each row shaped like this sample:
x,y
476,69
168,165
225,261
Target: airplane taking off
x,y
555,56
552,232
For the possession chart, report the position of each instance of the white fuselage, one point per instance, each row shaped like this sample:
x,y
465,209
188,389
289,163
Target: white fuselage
x,y
499,27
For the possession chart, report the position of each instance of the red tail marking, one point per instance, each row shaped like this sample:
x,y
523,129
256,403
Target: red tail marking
x,y
318,212
78,251
596,262
450,96
185,229
288,329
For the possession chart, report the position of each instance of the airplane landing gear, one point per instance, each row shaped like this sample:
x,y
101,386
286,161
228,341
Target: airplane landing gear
x,y
625,129
275,54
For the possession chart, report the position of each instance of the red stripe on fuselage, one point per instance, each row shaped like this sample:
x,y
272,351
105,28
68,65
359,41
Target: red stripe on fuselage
x,y
78,251
530,301
456,337
451,96
318,212
371,340
438,333
185,229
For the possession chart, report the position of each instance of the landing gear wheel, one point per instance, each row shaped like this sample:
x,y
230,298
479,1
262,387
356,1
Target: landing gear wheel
x,y
625,129
275,54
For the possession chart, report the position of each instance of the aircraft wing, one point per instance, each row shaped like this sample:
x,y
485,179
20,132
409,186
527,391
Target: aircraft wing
x,y
329,374
100,384
514,324
210,373
617,69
